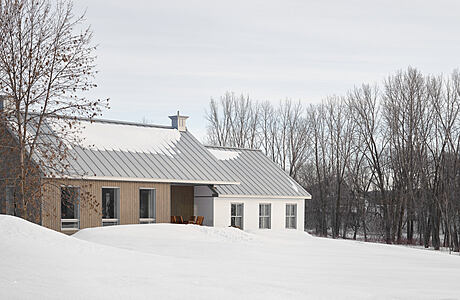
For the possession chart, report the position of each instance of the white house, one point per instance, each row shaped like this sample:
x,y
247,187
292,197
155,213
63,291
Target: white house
x,y
266,198
131,173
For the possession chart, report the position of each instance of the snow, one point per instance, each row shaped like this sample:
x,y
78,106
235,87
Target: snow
x,y
294,186
224,154
168,261
125,137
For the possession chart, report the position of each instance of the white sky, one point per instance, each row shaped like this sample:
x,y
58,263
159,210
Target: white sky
x,y
157,57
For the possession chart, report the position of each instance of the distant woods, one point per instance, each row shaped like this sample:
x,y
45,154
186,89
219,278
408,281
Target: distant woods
x,y
238,121
382,162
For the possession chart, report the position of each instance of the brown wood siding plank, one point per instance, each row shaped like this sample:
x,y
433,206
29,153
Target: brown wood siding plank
x,y
91,204
182,201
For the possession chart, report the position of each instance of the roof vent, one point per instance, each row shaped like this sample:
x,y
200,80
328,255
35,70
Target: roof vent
x,y
179,122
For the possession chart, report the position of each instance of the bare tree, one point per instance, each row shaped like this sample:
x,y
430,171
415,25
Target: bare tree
x,y
319,186
46,62
268,128
444,153
234,121
383,161
366,114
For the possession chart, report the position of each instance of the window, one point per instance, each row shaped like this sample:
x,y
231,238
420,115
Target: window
x,y
110,206
291,216
10,200
265,216
70,207
236,215
147,203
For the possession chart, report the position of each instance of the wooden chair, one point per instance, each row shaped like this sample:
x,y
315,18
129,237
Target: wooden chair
x,y
192,220
173,219
180,220
199,220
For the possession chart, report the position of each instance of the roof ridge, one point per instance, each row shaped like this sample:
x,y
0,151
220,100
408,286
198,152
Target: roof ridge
x,y
96,120
232,148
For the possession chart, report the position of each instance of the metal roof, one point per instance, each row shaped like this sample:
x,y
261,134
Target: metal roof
x,y
185,160
258,175
126,151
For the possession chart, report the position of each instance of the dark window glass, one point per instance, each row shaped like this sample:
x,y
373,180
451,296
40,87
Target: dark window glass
x,y
144,204
147,205
236,215
69,202
10,201
108,203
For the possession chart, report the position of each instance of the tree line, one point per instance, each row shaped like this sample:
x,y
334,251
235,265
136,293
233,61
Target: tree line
x,y
381,162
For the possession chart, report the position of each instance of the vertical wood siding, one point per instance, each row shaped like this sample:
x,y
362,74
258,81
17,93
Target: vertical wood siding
x,y
91,202
182,201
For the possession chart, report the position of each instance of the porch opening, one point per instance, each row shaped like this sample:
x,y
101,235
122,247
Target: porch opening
x,y
188,204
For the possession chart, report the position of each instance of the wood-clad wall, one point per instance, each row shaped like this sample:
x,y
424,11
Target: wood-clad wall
x,y
182,200
91,207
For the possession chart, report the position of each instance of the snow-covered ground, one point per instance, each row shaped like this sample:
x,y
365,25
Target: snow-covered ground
x,y
166,261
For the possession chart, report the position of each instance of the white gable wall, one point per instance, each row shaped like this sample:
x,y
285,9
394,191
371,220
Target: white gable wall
x,y
222,208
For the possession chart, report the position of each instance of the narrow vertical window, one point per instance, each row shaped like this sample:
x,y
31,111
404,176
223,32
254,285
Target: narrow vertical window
x,y
291,216
70,208
110,206
265,216
236,215
147,204
10,200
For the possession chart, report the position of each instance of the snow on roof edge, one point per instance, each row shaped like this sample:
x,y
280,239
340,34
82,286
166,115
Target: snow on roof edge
x,y
224,154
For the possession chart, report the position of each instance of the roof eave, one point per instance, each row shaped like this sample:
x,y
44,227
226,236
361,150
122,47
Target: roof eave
x,y
153,180
305,197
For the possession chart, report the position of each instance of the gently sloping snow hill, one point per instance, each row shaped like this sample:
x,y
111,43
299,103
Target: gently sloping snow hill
x,y
167,261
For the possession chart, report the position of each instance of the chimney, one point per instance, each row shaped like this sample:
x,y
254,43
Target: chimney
x,y
178,122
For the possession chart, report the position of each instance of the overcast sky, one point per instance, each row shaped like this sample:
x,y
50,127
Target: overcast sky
x,y
157,57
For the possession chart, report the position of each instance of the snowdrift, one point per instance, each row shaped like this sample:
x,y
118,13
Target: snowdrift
x,y
167,261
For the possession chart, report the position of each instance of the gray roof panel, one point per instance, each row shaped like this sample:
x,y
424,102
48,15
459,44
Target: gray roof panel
x,y
183,160
259,176
152,155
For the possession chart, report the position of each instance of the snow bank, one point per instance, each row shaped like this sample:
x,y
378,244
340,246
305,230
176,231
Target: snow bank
x,y
163,237
224,154
167,261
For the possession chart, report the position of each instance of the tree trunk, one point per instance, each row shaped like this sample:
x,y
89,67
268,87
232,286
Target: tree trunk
x,y
454,237
400,222
426,237
435,228
364,227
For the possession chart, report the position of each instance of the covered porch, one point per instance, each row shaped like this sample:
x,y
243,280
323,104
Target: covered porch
x,y
189,202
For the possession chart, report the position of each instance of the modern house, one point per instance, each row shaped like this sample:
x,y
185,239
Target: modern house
x,y
137,173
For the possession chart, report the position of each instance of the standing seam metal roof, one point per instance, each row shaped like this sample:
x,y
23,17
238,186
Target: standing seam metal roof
x,y
250,173
185,161
259,176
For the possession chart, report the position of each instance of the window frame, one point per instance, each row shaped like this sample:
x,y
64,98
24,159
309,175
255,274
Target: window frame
x,y
151,219
268,216
76,221
234,217
291,217
117,201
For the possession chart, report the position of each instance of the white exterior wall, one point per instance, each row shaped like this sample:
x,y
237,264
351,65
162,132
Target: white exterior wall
x,y
251,212
203,204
